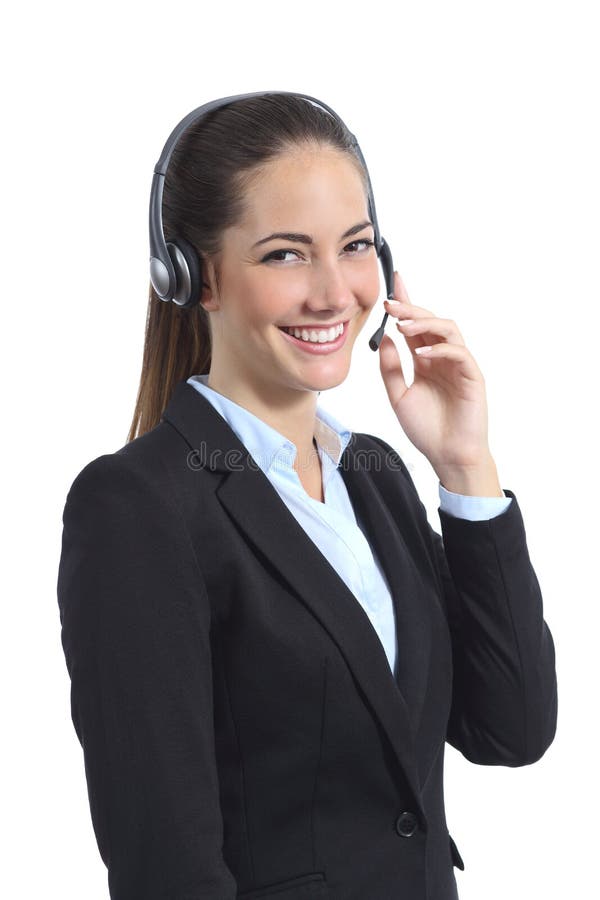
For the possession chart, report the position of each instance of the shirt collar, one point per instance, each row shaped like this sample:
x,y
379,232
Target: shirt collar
x,y
267,445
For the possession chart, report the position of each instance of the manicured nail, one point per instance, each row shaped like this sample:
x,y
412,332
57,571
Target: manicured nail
x,y
422,349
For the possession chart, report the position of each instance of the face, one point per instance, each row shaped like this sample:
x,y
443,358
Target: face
x,y
324,274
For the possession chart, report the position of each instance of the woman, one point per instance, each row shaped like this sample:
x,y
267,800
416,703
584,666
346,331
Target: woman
x,y
268,644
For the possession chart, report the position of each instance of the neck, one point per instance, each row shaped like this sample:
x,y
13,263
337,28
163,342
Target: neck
x,y
290,412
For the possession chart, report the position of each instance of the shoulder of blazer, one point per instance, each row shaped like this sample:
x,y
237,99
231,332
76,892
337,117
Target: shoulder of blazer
x,y
140,470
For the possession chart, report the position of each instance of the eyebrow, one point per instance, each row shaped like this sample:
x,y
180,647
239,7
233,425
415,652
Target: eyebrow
x,y
306,238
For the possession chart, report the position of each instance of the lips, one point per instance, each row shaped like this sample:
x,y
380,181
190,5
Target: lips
x,y
316,347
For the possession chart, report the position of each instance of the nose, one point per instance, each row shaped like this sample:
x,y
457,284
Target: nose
x,y
329,289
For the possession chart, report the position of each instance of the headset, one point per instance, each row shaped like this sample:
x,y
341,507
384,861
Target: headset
x,y
176,269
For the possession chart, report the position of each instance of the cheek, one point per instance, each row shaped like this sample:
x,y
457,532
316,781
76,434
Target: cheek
x,y
371,285
276,303
256,307
280,290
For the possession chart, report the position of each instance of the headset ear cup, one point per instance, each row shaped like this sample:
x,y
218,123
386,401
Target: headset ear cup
x,y
188,272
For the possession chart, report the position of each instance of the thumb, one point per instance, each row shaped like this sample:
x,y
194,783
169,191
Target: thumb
x,y
390,367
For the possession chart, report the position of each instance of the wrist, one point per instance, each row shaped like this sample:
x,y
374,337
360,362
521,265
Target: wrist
x,y
478,480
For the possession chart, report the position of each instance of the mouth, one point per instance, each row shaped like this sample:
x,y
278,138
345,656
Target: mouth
x,y
316,339
322,331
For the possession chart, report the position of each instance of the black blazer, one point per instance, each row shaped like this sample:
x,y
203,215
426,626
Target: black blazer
x,y
243,734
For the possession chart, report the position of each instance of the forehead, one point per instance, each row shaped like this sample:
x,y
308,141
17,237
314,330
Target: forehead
x,y
304,188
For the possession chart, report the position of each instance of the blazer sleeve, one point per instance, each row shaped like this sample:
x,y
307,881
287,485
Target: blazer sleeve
x,y
504,693
135,630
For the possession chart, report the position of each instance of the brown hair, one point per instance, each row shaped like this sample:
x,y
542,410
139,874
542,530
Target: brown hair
x,y
209,171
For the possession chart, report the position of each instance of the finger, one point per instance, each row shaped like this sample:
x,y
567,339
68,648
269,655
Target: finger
x,y
401,296
400,292
405,307
453,353
390,367
427,328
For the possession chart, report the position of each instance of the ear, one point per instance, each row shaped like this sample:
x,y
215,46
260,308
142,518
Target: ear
x,y
208,298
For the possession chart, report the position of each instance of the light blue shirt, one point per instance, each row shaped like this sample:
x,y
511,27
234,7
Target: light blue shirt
x,y
332,525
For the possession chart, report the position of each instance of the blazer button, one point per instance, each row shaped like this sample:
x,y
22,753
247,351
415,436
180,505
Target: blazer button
x,y
406,824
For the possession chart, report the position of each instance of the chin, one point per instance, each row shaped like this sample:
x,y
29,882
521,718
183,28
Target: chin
x,y
334,379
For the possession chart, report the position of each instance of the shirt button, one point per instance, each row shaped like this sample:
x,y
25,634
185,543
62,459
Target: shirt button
x,y
406,824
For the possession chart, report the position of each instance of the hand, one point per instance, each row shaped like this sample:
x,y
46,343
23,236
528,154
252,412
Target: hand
x,y
444,411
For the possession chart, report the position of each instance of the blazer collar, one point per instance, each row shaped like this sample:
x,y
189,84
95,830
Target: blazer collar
x,y
264,442
262,516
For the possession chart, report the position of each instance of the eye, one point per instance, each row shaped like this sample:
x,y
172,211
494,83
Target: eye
x,y
275,253
363,241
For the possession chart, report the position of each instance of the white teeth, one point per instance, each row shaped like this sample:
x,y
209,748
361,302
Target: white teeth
x,y
320,336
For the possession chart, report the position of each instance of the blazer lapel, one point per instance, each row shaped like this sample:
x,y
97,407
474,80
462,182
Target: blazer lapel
x,y
267,524
409,593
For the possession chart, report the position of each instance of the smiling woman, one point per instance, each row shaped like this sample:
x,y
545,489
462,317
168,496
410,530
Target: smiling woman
x,y
322,281
268,644
271,167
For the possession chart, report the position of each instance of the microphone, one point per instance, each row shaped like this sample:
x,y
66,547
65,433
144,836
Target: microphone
x,y
376,339
385,256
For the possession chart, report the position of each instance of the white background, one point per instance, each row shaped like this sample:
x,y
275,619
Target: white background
x,y
479,124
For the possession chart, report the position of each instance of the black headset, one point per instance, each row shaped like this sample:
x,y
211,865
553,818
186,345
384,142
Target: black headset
x,y
175,268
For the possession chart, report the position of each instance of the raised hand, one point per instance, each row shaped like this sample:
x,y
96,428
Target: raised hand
x,y
444,411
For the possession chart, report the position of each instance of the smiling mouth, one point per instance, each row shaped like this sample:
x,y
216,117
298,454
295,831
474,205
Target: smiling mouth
x,y
319,335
